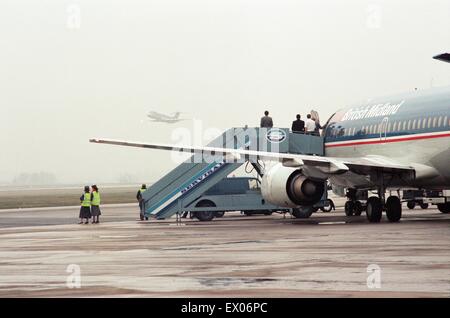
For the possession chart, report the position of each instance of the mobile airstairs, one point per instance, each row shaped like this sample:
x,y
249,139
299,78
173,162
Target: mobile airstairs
x,y
191,179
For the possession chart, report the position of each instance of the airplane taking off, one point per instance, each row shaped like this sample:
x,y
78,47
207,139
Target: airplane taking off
x,y
162,118
397,143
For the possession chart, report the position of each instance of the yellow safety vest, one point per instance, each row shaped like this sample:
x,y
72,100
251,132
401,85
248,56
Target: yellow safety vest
x,y
96,198
142,190
86,200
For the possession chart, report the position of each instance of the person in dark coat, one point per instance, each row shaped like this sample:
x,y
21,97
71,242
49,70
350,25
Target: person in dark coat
x,y
298,126
266,121
85,210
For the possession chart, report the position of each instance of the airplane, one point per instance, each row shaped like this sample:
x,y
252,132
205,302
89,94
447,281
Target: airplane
x,y
392,143
159,117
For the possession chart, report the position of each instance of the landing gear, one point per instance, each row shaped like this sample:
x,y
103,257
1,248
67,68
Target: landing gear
x,y
411,205
349,207
303,212
358,208
444,207
393,209
374,209
353,208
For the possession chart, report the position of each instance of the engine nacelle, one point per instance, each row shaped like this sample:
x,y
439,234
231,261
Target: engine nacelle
x,y
288,187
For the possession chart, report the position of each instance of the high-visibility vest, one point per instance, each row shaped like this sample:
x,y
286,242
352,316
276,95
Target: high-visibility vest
x,y
86,200
96,198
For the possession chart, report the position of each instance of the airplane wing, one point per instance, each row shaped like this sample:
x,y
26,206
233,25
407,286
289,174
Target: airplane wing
x,y
323,165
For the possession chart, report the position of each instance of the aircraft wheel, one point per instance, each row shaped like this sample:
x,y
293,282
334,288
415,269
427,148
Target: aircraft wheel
x,y
303,212
349,208
393,209
444,207
424,205
374,209
411,205
357,208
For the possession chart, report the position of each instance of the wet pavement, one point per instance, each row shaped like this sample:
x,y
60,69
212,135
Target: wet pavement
x,y
42,251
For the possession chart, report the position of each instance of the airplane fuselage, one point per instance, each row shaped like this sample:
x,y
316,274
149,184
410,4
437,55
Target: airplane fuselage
x,y
411,129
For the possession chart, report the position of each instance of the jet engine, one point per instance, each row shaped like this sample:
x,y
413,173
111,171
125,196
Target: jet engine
x,y
288,187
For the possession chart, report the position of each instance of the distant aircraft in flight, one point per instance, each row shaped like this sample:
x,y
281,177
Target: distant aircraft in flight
x,y
163,118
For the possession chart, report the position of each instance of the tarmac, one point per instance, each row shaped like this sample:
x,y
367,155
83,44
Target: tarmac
x,y
45,253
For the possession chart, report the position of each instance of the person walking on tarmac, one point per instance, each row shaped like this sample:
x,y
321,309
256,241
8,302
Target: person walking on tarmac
x,y
85,210
141,201
95,205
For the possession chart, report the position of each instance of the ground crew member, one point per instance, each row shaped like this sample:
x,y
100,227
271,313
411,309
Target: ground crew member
x,y
95,205
85,210
141,201
266,121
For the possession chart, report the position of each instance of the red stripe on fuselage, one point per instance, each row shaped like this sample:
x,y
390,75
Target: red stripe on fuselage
x,y
378,141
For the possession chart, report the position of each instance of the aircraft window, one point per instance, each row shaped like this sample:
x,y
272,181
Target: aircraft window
x,y
434,122
409,124
439,121
414,124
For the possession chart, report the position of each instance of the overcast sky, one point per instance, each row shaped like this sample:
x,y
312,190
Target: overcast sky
x,y
71,70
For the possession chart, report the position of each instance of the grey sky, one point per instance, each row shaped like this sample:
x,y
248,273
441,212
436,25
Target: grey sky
x,y
223,62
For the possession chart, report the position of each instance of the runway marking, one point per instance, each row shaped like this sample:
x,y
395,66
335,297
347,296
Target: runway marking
x,y
117,236
330,223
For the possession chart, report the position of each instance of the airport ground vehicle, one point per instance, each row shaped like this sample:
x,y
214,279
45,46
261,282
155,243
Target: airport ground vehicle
x,y
240,194
424,198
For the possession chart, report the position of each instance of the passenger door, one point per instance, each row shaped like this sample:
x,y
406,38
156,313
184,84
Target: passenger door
x,y
384,129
